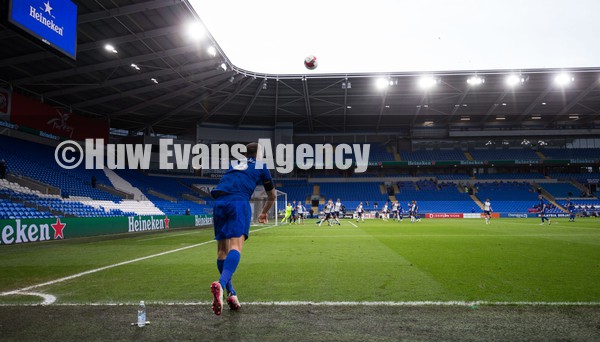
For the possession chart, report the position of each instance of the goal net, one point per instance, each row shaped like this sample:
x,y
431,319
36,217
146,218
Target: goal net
x,y
259,199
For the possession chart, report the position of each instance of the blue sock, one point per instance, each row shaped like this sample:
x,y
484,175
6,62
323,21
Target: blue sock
x,y
229,266
228,286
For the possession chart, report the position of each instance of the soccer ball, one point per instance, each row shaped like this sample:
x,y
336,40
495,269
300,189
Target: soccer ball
x,y
310,62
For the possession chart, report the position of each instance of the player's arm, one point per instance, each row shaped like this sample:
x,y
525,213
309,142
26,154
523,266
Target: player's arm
x,y
270,189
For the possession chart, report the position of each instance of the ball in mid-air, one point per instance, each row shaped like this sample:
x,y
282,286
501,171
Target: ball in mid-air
x,y
310,62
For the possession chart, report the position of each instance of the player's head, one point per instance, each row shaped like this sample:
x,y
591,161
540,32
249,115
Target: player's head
x,y
338,199
540,196
251,149
487,199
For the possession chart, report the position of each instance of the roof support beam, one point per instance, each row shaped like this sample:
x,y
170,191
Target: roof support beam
x,y
32,57
494,106
161,85
134,78
194,101
231,96
381,109
251,103
125,10
576,100
535,102
307,104
105,65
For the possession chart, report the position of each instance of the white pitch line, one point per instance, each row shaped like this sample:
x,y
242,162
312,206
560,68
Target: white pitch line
x,y
329,303
355,226
77,275
168,236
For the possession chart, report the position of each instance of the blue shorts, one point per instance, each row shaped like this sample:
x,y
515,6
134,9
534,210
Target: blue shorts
x,y
231,217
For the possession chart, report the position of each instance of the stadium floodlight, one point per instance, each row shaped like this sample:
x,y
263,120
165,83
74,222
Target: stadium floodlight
x,y
536,117
427,82
525,142
465,118
223,66
563,79
110,48
211,51
514,80
195,31
135,66
475,80
574,116
382,83
501,118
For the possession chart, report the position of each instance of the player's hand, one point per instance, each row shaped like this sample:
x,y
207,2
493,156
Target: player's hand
x,y
262,218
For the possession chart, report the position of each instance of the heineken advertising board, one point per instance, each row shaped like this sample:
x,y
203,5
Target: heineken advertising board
x,y
16,231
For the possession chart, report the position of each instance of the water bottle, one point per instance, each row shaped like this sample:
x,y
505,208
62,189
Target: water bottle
x,y
141,319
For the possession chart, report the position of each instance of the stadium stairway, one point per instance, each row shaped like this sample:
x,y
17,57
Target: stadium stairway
x,y
469,156
541,155
121,184
477,201
579,186
548,196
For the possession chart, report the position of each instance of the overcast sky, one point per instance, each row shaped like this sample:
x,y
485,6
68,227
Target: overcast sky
x,y
270,36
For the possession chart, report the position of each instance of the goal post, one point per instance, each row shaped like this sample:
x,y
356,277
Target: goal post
x,y
258,200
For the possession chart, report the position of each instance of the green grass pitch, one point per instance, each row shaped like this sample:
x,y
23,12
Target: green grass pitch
x,y
510,260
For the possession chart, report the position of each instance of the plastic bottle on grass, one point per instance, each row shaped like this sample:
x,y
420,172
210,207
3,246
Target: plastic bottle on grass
x,y
141,317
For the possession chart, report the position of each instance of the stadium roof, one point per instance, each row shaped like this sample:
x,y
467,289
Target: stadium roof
x,y
190,85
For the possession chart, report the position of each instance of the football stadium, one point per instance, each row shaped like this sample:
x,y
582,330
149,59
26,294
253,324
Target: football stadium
x,y
393,170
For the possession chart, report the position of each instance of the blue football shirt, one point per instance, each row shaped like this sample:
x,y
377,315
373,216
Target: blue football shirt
x,y
241,179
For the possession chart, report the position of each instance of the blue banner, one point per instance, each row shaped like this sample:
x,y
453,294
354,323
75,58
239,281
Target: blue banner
x,y
52,21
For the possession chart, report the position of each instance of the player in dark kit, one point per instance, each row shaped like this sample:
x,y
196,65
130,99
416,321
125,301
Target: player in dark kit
x,y
571,208
231,217
543,207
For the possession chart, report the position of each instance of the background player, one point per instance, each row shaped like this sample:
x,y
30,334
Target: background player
x,y
288,213
359,212
414,212
328,211
543,206
231,216
384,212
487,210
300,211
571,208
395,206
337,208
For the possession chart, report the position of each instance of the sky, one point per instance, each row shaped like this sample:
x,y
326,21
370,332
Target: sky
x,y
385,36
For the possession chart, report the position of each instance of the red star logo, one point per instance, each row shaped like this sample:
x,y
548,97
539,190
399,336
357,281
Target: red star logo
x,y
167,222
58,228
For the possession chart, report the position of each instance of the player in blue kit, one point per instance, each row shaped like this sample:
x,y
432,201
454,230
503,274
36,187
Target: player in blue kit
x,y
543,207
231,217
571,208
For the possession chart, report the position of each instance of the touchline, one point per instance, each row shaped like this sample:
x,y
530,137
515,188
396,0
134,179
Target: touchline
x,y
282,157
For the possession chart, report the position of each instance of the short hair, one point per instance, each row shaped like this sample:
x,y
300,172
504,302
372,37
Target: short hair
x,y
251,149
